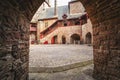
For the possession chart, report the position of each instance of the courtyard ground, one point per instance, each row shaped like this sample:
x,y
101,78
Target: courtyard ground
x,y
58,55
60,62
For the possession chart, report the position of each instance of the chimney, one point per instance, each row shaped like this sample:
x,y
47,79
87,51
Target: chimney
x,y
55,8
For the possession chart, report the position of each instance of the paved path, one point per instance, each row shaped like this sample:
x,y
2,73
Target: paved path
x,y
58,55
81,73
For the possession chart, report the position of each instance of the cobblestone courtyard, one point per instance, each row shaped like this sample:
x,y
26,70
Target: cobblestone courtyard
x,y
58,55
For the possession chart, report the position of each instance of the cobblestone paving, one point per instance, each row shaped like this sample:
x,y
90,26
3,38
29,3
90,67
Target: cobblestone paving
x,y
81,73
58,55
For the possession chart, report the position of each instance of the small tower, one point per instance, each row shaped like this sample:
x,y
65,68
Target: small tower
x,y
55,8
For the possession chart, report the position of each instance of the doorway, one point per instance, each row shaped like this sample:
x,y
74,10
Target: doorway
x,y
63,40
88,38
75,39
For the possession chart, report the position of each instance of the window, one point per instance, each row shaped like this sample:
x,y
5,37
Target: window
x,y
46,24
65,24
77,23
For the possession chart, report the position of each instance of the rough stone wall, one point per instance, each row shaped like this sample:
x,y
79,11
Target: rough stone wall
x,y
14,38
104,15
14,44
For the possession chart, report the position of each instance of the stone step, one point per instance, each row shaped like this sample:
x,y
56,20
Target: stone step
x,y
59,68
80,73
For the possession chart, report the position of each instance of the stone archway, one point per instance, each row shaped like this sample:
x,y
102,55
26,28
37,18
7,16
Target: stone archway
x,y
75,39
14,29
88,39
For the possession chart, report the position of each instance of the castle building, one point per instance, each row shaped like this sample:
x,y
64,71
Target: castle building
x,y
67,24
33,24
